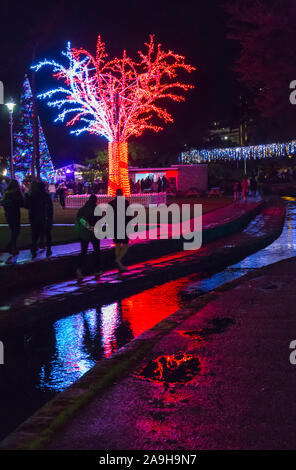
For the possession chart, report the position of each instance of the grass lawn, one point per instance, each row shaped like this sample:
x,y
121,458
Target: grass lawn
x,y
209,204
65,234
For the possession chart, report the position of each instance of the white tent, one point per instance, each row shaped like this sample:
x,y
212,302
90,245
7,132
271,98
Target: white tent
x,y
72,171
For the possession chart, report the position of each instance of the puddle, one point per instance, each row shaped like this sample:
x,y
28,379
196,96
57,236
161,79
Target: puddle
x,y
178,368
217,325
270,287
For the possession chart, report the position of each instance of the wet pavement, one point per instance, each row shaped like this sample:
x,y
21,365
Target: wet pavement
x,y
282,248
220,388
52,355
209,220
25,256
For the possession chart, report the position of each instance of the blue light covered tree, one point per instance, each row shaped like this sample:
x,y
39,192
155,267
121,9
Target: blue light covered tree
x,y
23,140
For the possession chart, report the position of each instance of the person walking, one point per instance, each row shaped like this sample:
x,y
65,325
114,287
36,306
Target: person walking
x,y
39,204
3,187
84,228
52,190
164,184
260,184
62,195
48,220
12,202
121,244
236,190
154,187
159,185
244,186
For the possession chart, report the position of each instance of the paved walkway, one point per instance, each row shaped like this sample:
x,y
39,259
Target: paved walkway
x,y
209,220
242,397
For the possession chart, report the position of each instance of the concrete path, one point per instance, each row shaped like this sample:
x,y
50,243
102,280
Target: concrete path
x,y
243,395
21,273
210,220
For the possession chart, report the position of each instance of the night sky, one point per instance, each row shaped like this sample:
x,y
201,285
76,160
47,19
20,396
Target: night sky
x,y
195,29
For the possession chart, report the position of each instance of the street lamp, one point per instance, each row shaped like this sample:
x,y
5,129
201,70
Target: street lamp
x,y
10,107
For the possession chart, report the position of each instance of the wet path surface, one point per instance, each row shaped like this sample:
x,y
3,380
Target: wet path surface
x,y
209,220
282,248
57,353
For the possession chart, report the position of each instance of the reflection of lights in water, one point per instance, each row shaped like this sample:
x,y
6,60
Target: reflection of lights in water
x,y
176,368
109,321
148,308
92,320
70,360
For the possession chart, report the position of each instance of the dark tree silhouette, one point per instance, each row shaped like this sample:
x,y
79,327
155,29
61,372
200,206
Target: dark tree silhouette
x,y
266,65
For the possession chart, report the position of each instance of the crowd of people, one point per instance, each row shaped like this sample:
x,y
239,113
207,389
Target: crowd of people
x,y
101,187
38,200
59,190
83,187
40,208
84,227
248,187
147,184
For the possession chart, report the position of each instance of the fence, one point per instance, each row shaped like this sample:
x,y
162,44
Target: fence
x,y
78,200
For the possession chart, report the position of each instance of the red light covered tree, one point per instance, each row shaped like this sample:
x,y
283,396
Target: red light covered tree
x,y
117,98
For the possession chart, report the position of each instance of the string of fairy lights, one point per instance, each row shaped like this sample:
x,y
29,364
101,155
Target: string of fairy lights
x,y
276,150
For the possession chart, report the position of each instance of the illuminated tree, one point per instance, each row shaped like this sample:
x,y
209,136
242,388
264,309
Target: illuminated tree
x,y
23,138
117,98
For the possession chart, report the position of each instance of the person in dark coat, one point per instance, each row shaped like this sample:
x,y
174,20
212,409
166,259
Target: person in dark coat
x,y
48,220
159,185
12,202
164,183
62,195
236,190
40,206
84,228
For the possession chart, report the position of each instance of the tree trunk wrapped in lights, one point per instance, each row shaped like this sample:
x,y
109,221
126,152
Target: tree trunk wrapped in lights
x,y
116,99
118,168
